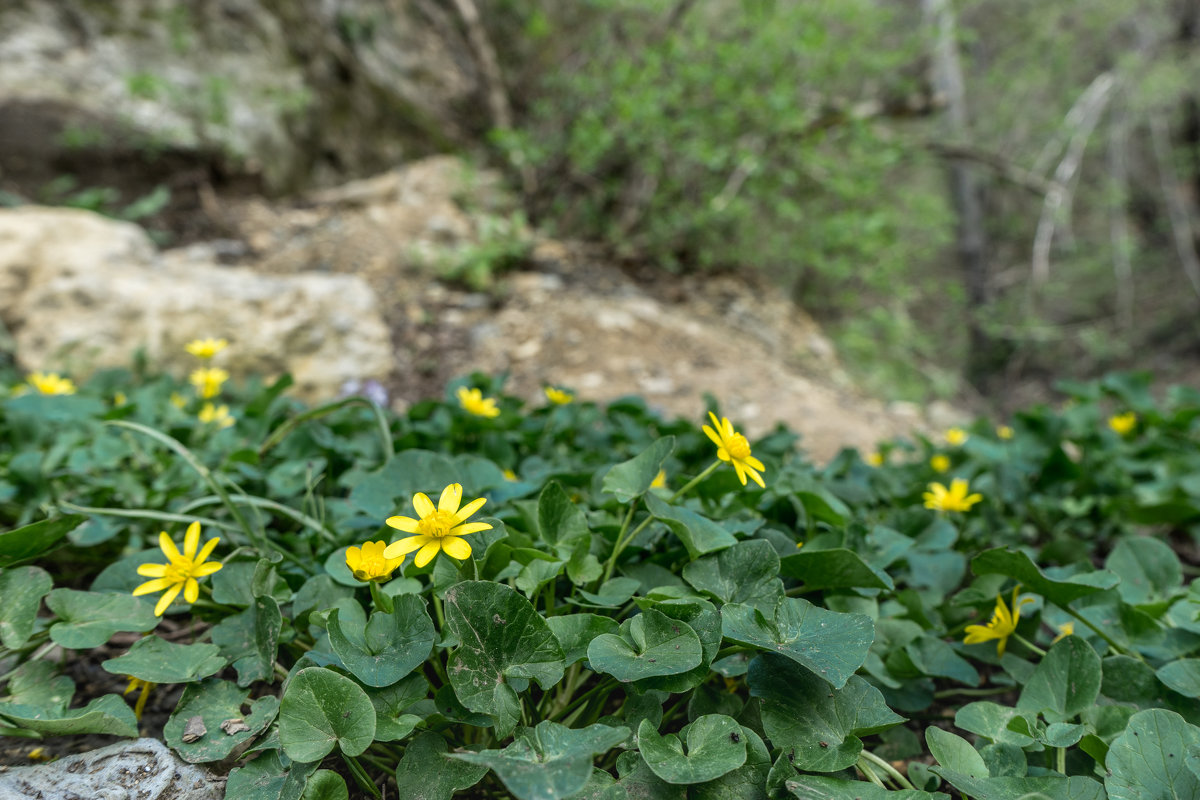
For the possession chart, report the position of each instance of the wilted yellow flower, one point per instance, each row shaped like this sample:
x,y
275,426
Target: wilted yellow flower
x,y
51,383
146,687
940,463
1004,432
733,447
1064,630
875,459
181,570
206,348
368,562
440,528
38,754
218,414
208,380
558,396
956,437
473,402
953,499
1123,423
1002,625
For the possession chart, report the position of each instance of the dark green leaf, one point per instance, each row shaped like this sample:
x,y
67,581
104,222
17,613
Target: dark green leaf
x,y
427,772
107,715
699,534
714,747
325,784
217,702
744,573
270,776
159,661
1018,566
1182,676
559,520
1065,683
819,787
955,753
320,710
836,568
22,589
1146,762
1148,568
389,646
576,631
650,644
29,541
632,478
89,619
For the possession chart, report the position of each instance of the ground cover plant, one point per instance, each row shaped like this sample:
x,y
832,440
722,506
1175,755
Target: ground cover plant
x,y
561,600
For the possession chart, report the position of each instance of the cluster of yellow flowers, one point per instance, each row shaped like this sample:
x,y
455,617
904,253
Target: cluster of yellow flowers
x,y
51,383
208,381
474,403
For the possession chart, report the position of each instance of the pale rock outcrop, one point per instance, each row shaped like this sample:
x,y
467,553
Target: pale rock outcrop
x,y
79,292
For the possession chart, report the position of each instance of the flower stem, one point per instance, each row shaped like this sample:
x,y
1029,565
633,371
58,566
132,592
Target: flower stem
x,y
864,766
692,483
1108,639
360,776
1032,647
617,546
894,773
1061,759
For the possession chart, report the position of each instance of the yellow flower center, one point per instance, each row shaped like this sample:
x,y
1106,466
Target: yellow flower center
x,y
437,524
180,570
372,567
738,447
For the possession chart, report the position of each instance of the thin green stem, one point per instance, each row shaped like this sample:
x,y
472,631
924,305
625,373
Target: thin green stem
x,y
1032,647
385,431
864,766
687,487
895,774
360,776
1061,759
1108,639
971,692
617,545
137,513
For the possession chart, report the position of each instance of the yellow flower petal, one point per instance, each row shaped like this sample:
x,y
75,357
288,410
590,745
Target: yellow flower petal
x,y
203,570
406,524
209,546
423,505
191,590
191,540
152,570
168,547
470,527
426,553
168,597
456,547
451,498
470,508
150,587
405,546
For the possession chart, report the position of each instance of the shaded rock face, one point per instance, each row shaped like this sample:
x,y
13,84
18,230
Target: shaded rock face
x,y
79,291
296,91
144,769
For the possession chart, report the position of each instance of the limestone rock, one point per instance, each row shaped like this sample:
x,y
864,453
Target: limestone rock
x,y
144,769
79,292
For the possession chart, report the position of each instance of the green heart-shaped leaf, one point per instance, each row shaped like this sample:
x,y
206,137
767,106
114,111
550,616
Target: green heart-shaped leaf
x,y
391,723
1147,760
576,631
1018,566
747,572
89,619
632,478
650,644
22,589
270,776
503,638
714,747
819,787
830,643
217,703
1182,676
388,646
427,772
1066,682
321,710
1148,568
836,568
816,727
550,761
699,534
159,661
559,520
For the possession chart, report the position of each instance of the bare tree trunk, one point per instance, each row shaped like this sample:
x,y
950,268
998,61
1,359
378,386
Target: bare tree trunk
x,y
947,80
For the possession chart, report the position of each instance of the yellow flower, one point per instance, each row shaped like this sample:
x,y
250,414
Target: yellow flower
x,y
120,399
178,400
940,463
1065,630
1123,423
1004,432
51,383
146,687
954,499
1002,625
956,437
509,475
181,570
473,402
440,528
660,480
206,348
38,754
208,380
875,459
558,396
369,563
733,447
217,414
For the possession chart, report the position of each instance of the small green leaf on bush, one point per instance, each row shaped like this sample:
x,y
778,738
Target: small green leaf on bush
x,y
32,540
391,723
35,683
217,702
325,784
1148,568
747,782
1182,676
502,638
1017,565
612,593
639,780
744,573
1065,683
108,714
22,589
559,520
159,661
830,643
632,478
837,568
428,773
650,644
321,710
1147,760
699,534
816,727
714,747
89,619
955,753
389,646
550,761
